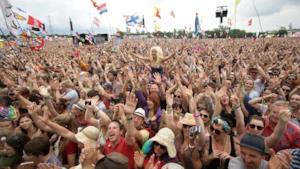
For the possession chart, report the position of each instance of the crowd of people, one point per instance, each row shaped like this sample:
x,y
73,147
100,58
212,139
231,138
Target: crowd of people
x,y
152,104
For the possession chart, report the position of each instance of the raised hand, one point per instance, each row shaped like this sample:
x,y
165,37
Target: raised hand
x,y
284,115
157,78
139,159
169,99
131,102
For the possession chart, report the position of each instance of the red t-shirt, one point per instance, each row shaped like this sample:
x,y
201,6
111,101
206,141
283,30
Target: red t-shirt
x,y
123,148
289,139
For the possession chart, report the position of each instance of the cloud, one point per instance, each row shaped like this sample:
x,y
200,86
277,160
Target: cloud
x,y
264,7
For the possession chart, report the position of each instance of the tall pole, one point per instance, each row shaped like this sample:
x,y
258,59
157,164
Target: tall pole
x,y
50,25
257,16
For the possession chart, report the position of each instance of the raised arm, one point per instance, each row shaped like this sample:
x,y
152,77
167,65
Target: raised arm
x,y
129,108
60,130
139,56
275,137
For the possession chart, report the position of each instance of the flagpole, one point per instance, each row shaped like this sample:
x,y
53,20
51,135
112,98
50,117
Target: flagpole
x,y
257,16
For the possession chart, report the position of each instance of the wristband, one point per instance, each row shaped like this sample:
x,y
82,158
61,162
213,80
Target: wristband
x,y
129,118
196,115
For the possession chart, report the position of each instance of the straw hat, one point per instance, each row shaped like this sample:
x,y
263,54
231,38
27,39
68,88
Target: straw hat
x,y
80,105
172,166
88,135
188,119
166,137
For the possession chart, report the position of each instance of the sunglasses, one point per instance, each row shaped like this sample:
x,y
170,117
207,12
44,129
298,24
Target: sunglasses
x,y
217,131
160,146
253,126
177,96
204,115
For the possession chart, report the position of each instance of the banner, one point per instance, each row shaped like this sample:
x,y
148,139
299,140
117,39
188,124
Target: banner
x,y
9,18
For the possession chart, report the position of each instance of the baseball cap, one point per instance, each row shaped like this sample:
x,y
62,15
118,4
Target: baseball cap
x,y
254,142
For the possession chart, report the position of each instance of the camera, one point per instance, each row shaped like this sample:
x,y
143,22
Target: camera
x,y
88,103
194,131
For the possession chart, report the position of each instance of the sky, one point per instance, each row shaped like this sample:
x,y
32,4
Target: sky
x,y
273,14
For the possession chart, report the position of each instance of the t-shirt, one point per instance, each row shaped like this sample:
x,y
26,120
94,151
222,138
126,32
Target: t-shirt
x,y
123,148
238,163
289,139
73,95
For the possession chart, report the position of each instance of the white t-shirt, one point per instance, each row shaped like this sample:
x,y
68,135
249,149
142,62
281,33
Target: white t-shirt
x,y
238,163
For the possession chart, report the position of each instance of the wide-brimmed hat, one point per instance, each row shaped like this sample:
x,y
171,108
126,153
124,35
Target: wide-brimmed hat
x,y
80,105
166,137
88,135
172,166
140,112
188,119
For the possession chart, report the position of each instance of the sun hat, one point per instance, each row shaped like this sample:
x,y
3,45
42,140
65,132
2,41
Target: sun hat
x,y
166,137
254,142
88,135
188,119
80,105
172,166
140,112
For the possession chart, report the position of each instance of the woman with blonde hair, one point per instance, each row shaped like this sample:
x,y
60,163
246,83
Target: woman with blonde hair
x,y
156,59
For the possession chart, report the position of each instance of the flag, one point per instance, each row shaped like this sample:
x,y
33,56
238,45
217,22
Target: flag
x,y
157,12
19,17
249,22
173,14
197,24
96,21
71,25
34,22
133,20
10,21
237,2
102,8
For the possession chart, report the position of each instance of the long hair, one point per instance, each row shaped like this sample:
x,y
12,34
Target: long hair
x,y
23,116
154,97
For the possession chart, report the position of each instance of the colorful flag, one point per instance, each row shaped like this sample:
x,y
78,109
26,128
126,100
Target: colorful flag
x,y
10,21
157,12
250,22
34,22
197,24
19,17
237,2
133,20
96,21
173,14
102,8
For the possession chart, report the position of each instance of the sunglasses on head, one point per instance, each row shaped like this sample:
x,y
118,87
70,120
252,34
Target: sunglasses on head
x,y
160,146
217,131
252,126
177,96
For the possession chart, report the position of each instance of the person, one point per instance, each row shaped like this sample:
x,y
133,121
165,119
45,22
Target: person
x,y
253,151
291,135
38,151
158,150
27,126
11,155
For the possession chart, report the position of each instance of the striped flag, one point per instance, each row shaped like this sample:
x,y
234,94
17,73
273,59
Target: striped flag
x,y
102,8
